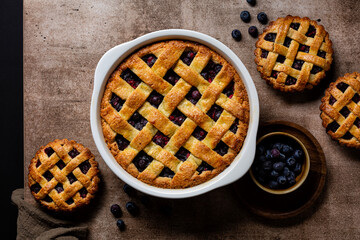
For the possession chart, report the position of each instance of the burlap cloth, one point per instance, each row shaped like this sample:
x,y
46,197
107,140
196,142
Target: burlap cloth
x,y
64,40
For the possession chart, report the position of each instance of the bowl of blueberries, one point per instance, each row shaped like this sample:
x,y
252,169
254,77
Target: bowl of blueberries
x,y
281,163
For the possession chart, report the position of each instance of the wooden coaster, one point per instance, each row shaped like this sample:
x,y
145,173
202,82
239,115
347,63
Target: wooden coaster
x,y
288,205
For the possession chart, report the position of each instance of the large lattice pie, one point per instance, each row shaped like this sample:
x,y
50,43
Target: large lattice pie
x,y
293,53
175,114
63,175
341,110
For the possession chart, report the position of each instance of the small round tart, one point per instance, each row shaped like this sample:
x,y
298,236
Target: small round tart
x,y
341,110
293,54
63,175
175,114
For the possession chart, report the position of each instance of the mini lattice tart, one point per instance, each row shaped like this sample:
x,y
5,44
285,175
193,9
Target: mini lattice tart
x,y
341,110
175,114
293,53
63,175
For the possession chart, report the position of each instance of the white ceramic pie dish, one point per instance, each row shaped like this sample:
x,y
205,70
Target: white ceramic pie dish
x,y
112,58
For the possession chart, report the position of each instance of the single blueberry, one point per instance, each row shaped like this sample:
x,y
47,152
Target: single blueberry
x,y
274,174
121,225
278,166
132,208
245,16
297,168
281,180
298,154
291,176
287,150
267,165
286,171
262,17
251,2
128,190
282,157
278,146
290,162
116,210
268,154
273,184
275,153
253,31
236,34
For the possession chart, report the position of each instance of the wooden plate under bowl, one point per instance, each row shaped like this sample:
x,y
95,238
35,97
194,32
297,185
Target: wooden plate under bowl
x,y
288,205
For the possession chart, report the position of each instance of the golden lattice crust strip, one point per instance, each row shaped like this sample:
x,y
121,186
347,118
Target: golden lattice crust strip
x,y
61,192
342,98
276,47
135,100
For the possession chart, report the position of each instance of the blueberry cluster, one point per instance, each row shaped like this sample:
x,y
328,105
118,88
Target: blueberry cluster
x,y
277,165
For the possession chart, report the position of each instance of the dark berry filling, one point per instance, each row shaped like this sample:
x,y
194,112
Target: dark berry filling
x,y
150,59
221,148
210,71
83,192
332,127
38,163
199,133
177,117
270,37
137,121
116,102
121,142
155,98
182,154
160,139
295,25
187,57
321,54
357,122
130,78
59,188
347,136
345,112
264,53
342,86
298,64
280,59
287,42
229,90
73,153
35,188
311,32
193,95
290,80
215,112
71,177
171,77
60,164
141,161
304,48
70,201
166,172
234,126
47,199
204,167
48,175
356,98
315,69
332,100
274,74
85,166
49,151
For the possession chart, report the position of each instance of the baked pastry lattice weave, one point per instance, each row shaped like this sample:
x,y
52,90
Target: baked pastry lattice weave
x,y
63,175
175,114
341,110
293,53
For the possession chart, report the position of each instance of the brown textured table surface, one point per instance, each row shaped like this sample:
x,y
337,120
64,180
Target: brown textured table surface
x,y
64,40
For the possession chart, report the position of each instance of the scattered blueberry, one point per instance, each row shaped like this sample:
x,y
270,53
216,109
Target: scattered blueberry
x,y
245,16
116,210
129,190
236,34
253,31
132,208
251,2
121,225
262,17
